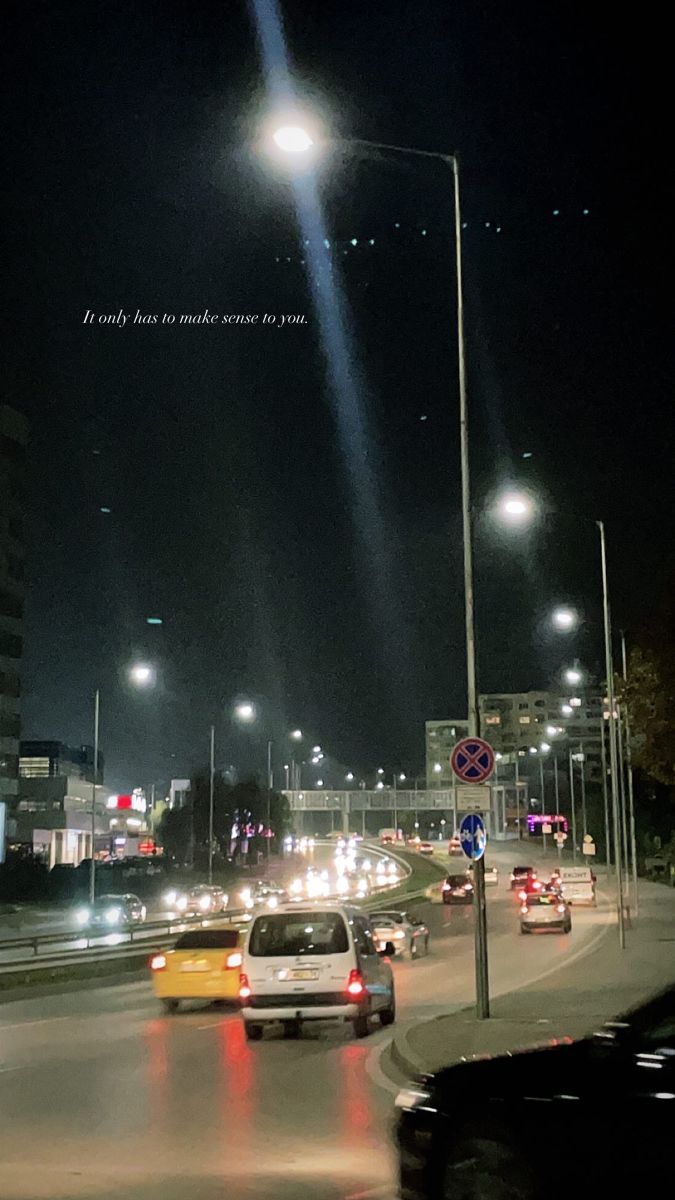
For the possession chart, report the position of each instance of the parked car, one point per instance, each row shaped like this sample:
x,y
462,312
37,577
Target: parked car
x,y
477,1129
491,875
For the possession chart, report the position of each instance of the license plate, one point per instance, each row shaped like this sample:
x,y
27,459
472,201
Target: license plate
x,y
299,974
190,966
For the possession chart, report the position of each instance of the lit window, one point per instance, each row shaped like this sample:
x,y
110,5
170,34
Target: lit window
x,y
524,720
493,720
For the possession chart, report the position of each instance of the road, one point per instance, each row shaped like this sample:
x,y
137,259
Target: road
x,y
103,1097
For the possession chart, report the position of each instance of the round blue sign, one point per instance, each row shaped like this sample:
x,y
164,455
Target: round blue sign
x,y
472,836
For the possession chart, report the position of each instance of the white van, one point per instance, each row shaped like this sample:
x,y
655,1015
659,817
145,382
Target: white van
x,y
578,885
313,962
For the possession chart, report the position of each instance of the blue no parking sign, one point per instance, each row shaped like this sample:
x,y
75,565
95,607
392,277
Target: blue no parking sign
x,y
472,836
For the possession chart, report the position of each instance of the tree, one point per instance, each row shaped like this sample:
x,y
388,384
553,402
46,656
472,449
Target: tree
x,y
649,694
175,829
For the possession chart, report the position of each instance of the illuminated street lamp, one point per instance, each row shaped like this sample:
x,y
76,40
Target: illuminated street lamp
x,y
245,712
565,619
349,776
516,508
295,735
573,676
141,675
380,770
292,137
567,710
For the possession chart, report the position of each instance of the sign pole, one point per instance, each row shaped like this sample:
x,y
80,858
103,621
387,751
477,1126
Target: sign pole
x,y
473,761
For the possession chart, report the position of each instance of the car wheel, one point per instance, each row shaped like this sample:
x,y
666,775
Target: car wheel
x,y
567,928
482,1168
253,1032
388,1015
170,1006
426,944
524,929
291,1029
413,948
361,1025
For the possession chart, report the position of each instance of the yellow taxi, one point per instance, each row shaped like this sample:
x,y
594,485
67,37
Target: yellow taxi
x,y
204,964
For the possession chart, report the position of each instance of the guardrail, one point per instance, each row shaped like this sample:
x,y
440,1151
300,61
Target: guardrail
x,y
148,937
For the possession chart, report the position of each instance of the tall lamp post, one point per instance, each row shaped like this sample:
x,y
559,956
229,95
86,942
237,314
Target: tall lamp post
x,y
140,675
294,140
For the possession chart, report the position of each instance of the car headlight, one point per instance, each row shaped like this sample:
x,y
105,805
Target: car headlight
x,y
112,915
205,903
412,1097
181,903
272,902
170,898
82,916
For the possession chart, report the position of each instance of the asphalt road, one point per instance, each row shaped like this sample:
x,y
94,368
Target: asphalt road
x,y
103,1097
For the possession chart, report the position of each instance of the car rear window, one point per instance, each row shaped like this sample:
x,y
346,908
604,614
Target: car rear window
x,y
547,898
286,934
208,939
457,880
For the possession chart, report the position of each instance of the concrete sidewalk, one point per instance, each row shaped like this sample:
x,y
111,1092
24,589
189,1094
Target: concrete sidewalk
x,y
570,1003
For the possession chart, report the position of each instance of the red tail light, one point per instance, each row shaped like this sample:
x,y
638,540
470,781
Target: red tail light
x,y
445,887
355,984
233,960
157,962
244,987
522,895
524,910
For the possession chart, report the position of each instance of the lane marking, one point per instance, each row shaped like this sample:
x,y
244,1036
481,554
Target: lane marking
x,y
42,1021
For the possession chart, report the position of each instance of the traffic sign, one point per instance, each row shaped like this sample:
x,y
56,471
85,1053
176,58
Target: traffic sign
x,y
560,837
588,847
473,797
473,760
546,829
472,836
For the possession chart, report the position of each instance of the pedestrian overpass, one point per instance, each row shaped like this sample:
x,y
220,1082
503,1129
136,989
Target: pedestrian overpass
x,y
353,806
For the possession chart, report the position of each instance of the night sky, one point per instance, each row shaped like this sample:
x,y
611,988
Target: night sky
x,y
302,544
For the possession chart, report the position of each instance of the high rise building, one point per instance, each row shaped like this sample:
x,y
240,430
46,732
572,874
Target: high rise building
x,y
13,442
38,760
441,739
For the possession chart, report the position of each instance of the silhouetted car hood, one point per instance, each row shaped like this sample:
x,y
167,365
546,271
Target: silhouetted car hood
x,y
548,1071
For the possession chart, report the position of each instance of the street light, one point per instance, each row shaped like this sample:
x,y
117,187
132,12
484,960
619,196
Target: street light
x,y
294,139
567,710
295,735
565,619
141,675
573,676
349,776
245,712
516,508
380,770
402,777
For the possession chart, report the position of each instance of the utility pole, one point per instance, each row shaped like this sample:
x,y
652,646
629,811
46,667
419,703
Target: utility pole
x,y
629,772
211,788
609,671
92,865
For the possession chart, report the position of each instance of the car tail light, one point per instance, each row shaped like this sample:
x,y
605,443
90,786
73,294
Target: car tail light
x,y
524,910
157,962
233,960
244,987
561,908
355,985
522,895
445,887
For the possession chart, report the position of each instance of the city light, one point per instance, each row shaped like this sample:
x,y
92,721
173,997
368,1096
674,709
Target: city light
x,y
565,619
245,711
401,778
573,675
380,770
379,785
292,139
316,749
545,747
516,508
533,749
349,776
141,674
296,735
567,710
437,768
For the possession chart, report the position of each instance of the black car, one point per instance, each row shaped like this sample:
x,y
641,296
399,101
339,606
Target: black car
x,y
521,875
593,1118
457,889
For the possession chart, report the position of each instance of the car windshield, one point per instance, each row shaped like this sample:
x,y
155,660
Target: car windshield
x,y
208,939
286,934
107,901
457,880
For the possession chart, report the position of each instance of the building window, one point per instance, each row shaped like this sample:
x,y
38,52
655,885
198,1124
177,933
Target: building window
x,y
10,606
10,646
524,720
34,768
493,720
10,725
539,703
9,684
525,705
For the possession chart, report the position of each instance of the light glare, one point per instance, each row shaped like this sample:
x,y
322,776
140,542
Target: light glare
x,y
292,139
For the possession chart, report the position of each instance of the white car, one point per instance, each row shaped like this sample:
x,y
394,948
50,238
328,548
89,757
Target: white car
x,y
404,933
315,962
545,910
